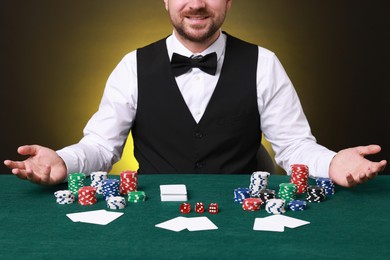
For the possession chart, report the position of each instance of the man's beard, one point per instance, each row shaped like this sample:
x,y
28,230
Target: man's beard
x,y
198,36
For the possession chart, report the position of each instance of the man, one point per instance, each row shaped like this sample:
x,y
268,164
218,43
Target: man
x,y
200,119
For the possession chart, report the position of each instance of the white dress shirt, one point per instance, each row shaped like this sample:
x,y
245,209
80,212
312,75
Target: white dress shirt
x,y
282,119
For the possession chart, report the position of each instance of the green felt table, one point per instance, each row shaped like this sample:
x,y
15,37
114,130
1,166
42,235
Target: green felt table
x,y
353,224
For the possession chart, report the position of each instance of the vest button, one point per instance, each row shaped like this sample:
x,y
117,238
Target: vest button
x,y
199,165
198,135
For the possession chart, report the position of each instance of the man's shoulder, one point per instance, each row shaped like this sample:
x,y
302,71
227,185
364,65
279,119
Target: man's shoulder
x,y
263,52
155,45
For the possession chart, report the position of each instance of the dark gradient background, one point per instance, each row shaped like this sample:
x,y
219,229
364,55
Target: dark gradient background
x,y
57,55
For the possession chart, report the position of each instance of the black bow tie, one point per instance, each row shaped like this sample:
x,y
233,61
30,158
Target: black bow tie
x,y
181,64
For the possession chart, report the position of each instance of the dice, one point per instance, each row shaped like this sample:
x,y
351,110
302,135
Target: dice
x,y
199,207
185,208
213,208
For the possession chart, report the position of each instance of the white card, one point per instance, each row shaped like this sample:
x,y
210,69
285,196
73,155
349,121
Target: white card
x,y
289,221
99,217
277,223
173,197
200,224
192,224
264,224
173,192
175,224
173,189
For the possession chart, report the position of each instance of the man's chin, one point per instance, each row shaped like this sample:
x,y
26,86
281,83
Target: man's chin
x,y
196,33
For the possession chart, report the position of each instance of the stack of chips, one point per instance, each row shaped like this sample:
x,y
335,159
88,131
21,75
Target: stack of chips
x,y
275,206
87,196
129,182
315,194
116,202
327,184
64,197
240,194
136,196
97,179
75,182
267,194
300,176
296,205
258,182
110,188
287,191
252,204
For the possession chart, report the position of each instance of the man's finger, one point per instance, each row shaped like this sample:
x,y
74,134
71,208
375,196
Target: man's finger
x,y
14,164
19,173
350,180
28,149
369,149
363,177
382,165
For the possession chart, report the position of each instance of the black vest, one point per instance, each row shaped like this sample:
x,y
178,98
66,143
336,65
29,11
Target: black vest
x,y
167,139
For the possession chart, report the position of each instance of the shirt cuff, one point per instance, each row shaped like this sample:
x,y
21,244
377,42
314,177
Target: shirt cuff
x,y
321,169
69,160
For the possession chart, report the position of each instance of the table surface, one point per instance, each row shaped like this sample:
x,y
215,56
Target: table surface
x,y
354,223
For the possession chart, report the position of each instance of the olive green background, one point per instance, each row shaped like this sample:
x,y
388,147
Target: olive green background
x,y
56,56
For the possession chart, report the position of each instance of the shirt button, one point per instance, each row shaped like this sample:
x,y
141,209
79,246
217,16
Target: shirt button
x,y
199,165
198,135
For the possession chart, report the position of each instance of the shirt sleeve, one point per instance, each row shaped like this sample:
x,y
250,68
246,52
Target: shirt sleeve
x,y
106,132
283,121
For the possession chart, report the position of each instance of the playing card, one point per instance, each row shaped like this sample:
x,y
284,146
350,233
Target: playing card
x,y
100,217
175,224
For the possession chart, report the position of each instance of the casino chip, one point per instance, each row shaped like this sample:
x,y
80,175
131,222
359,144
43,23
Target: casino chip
x,y
258,182
297,205
128,182
287,191
116,202
315,194
110,188
275,206
267,194
87,196
64,197
136,196
97,179
299,175
327,184
240,194
252,204
75,182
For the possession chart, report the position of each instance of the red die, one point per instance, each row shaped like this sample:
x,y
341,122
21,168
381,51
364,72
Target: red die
x,y
185,208
199,207
213,208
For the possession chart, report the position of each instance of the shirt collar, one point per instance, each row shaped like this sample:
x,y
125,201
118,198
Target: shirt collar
x,y
174,45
